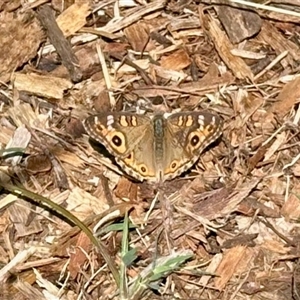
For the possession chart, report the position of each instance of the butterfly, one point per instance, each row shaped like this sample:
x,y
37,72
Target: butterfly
x,y
158,147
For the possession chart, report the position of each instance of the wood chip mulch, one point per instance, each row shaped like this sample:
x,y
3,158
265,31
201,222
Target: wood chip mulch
x,y
228,228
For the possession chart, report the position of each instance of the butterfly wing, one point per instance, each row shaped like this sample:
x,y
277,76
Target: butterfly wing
x,y
128,137
187,135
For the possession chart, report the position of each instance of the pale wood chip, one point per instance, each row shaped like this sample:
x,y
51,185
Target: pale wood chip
x,y
170,74
277,247
42,85
18,259
74,17
177,24
116,25
187,32
212,267
68,157
5,134
7,200
20,139
228,265
37,263
83,203
278,142
23,114
29,291
49,289
248,54
120,68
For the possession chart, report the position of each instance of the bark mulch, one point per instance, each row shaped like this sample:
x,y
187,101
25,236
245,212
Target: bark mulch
x,y
74,225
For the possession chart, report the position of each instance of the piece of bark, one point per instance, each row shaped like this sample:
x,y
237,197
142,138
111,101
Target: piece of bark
x,y
291,208
161,39
116,47
222,202
20,37
75,128
277,16
61,44
250,206
19,214
257,156
78,256
271,36
88,60
237,65
287,98
243,240
239,24
101,102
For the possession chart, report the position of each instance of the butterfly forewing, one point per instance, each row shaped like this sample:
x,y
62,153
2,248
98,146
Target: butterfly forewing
x,y
205,127
128,137
189,134
107,128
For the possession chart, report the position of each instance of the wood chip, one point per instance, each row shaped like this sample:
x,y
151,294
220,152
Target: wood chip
x,y
291,208
236,210
20,37
21,139
177,61
228,265
138,36
239,24
224,47
287,98
58,40
18,259
134,16
42,85
74,17
271,36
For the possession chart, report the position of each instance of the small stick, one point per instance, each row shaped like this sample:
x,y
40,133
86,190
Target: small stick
x,y
60,43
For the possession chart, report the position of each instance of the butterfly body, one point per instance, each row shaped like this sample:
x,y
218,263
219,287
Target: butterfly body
x,y
155,148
